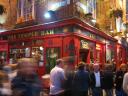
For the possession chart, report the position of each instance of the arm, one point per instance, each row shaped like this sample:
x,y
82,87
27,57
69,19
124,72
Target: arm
x,y
125,83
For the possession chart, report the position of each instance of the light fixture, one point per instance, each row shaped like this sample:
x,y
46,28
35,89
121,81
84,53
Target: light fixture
x,y
47,15
33,53
41,48
93,20
111,31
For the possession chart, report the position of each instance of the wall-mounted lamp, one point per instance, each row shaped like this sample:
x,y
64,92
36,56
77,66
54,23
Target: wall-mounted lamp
x,y
49,14
93,20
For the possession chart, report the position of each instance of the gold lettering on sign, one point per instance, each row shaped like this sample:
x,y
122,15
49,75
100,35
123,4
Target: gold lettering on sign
x,y
92,36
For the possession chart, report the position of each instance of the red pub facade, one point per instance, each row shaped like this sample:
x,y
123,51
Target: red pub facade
x,y
69,36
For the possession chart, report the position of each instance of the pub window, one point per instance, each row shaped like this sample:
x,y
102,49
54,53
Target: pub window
x,y
52,54
91,56
17,53
98,53
3,57
38,52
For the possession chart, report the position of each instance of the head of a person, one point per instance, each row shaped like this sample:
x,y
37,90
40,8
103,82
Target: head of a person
x,y
123,67
81,66
27,66
108,67
96,67
60,63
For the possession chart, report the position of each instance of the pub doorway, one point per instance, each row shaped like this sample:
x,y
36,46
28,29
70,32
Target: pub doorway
x,y
84,55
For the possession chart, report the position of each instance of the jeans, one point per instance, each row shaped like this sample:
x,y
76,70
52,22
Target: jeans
x,y
109,92
97,91
120,93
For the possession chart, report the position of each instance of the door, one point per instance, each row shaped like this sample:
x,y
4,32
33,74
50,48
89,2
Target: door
x,y
84,55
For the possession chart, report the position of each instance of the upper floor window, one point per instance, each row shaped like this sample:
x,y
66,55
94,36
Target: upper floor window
x,y
86,6
25,10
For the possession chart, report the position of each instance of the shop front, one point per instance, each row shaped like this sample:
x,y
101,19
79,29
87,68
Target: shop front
x,y
90,51
70,39
3,52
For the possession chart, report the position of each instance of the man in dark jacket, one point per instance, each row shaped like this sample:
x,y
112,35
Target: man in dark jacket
x,y
80,81
108,80
96,81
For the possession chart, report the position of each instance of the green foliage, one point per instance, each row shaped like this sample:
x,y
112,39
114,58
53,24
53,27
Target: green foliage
x,y
2,9
88,15
116,13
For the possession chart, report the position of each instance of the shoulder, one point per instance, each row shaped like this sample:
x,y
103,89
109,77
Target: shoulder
x,y
126,75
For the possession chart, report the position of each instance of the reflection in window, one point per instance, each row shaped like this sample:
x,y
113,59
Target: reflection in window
x,y
91,56
2,58
98,56
37,52
108,54
16,53
25,9
98,53
52,54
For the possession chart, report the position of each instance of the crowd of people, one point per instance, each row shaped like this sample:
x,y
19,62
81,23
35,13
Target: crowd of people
x,y
65,80
24,81
88,80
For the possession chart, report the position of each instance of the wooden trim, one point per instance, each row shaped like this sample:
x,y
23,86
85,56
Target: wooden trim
x,y
70,21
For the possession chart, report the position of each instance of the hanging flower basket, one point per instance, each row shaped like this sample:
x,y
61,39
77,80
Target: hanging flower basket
x,y
116,13
89,15
2,10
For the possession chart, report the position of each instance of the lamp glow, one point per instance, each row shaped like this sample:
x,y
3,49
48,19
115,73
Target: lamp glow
x,y
47,15
41,48
93,20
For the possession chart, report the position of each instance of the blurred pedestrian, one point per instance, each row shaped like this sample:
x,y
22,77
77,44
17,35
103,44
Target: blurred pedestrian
x,y
108,80
69,73
125,83
57,78
119,80
80,83
26,82
113,62
5,85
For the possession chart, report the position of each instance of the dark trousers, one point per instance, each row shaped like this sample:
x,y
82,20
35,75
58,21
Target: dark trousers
x,y
97,91
61,94
80,93
109,92
120,92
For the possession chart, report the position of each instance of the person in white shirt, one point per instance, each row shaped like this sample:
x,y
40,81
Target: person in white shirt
x,y
57,79
95,79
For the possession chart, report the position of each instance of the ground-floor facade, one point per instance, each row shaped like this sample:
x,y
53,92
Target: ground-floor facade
x,y
70,39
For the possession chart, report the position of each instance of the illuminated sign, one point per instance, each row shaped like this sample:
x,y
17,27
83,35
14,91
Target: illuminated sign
x,y
98,47
84,44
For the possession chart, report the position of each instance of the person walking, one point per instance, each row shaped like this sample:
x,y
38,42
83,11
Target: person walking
x,y
26,82
119,80
108,80
80,83
57,78
96,80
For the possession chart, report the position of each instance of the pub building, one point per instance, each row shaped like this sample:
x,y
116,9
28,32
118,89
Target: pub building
x,y
65,35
